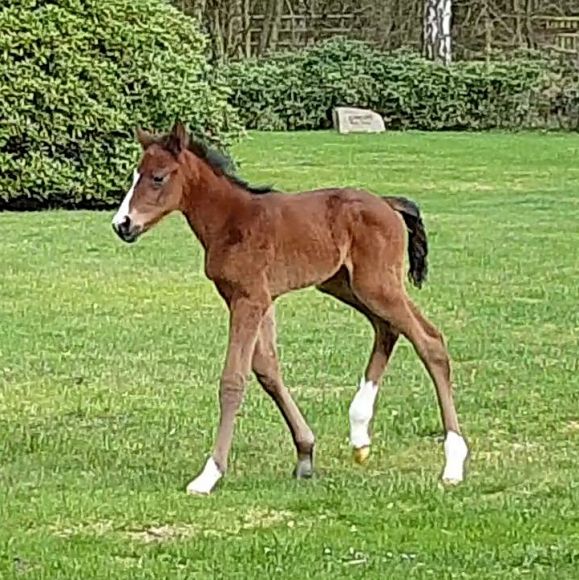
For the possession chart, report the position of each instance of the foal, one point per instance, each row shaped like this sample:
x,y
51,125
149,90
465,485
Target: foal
x,y
260,244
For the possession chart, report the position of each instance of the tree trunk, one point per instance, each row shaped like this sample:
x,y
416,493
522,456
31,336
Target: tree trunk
x,y
269,32
437,40
216,29
246,28
199,9
488,32
195,8
234,17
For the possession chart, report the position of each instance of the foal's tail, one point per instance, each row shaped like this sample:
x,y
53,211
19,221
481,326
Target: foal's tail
x,y
417,242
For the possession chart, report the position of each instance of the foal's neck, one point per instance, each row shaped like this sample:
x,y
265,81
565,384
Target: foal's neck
x,y
209,201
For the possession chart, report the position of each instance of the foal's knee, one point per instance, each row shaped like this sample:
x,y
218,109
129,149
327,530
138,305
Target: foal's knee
x,y
231,388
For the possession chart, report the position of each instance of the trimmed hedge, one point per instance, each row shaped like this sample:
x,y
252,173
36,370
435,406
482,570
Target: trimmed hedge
x,y
76,77
299,90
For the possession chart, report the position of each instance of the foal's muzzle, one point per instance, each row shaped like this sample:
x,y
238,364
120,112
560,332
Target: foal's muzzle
x,y
126,229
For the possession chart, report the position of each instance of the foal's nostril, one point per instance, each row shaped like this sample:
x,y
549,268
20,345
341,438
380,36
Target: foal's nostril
x,y
123,227
125,224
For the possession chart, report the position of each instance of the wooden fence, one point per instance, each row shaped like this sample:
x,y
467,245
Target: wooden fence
x,y
561,34
551,33
299,30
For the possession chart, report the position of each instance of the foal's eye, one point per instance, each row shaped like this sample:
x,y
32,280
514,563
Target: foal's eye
x,y
159,179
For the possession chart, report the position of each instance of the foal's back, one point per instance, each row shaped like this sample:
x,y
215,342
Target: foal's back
x,y
339,210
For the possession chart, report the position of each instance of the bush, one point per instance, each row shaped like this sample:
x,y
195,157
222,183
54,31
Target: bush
x,y
299,90
76,76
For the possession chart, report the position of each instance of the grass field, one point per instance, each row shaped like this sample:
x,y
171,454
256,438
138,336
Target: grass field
x,y
110,357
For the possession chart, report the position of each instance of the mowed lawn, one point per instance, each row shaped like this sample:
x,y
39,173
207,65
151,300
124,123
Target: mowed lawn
x,y
110,357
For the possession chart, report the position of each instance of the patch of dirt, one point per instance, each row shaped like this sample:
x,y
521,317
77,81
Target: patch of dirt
x,y
260,518
95,528
129,562
163,533
159,533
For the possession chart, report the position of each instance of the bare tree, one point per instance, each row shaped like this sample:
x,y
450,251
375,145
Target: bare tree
x,y
437,39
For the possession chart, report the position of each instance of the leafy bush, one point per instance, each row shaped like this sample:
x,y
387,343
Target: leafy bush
x,y
299,90
76,76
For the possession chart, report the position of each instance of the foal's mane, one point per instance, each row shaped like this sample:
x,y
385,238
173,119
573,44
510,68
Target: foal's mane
x,y
223,165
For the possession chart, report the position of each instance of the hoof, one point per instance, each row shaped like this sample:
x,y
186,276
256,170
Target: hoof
x,y
361,455
451,481
199,487
304,469
198,492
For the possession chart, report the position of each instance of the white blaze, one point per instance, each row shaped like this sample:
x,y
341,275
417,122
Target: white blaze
x,y
124,209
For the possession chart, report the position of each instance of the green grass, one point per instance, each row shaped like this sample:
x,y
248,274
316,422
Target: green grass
x,y
110,357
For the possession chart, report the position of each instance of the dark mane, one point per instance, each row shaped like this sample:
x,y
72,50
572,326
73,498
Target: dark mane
x,y
223,165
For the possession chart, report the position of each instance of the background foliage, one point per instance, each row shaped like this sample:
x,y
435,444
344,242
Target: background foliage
x,y
298,90
242,28
75,78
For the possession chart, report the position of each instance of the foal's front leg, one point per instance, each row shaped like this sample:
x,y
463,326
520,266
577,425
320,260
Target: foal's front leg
x,y
245,319
266,368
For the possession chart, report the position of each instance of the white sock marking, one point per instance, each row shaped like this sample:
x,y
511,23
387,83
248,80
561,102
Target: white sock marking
x,y
123,211
361,411
455,451
206,480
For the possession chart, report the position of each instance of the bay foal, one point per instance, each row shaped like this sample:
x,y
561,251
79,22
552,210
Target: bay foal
x,y
261,244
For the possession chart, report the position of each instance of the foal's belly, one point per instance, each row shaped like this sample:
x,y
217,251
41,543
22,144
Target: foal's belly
x,y
307,262
311,240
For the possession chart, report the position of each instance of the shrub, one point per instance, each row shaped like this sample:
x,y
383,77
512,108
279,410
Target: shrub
x,y
299,90
76,76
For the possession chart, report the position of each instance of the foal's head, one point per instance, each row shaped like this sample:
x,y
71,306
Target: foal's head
x,y
158,183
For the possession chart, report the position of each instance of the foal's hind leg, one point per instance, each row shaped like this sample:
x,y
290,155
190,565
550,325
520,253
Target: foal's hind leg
x,y
388,300
434,354
266,368
362,406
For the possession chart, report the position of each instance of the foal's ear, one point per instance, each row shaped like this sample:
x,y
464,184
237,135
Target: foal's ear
x,y
144,137
178,140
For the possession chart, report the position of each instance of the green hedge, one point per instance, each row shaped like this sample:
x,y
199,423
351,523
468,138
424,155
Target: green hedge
x,y
76,76
299,90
